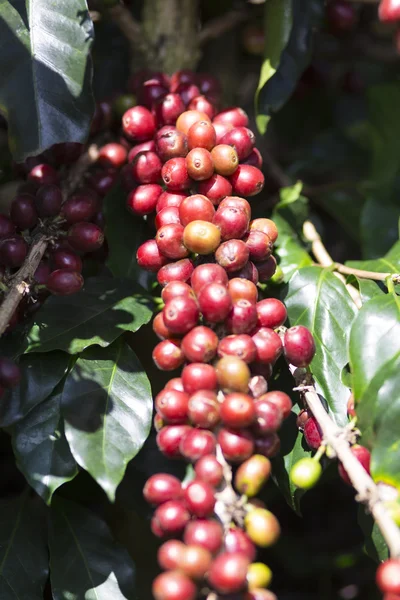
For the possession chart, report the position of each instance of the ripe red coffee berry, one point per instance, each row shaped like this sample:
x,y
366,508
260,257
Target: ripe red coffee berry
x,y
235,116
199,164
42,273
233,374
171,143
138,124
188,91
236,202
189,118
241,346
247,181
143,199
209,469
201,237
168,109
48,201
389,11
312,434
13,252
149,146
254,159
242,139
232,255
10,374
197,443
80,207
199,376
228,572
196,207
266,269
169,439
63,282
232,222
181,314
271,313
237,410
363,456
149,256
180,270
161,488
43,174
388,576
176,288
203,409
299,346
175,174
236,540
174,384
170,199
172,517
200,344
268,344
170,554
113,155
151,91
85,237
208,273
215,302
268,445
268,417
172,405
167,355
7,227
215,188
23,211
160,329
199,498
167,216
225,159
201,135
169,240
242,317
206,533
279,399
242,289
146,168
203,105
259,245
236,444
195,562
266,226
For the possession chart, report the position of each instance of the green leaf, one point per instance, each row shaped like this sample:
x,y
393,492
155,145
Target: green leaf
x,y
107,405
317,299
41,449
40,373
125,233
345,207
289,248
375,365
390,263
85,561
289,28
98,314
23,552
288,195
369,289
379,228
45,56
375,545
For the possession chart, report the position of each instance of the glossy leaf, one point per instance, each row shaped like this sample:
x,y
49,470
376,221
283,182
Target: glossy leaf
x,y
375,365
45,56
40,375
85,561
107,405
374,544
23,551
125,233
390,263
41,449
98,314
317,299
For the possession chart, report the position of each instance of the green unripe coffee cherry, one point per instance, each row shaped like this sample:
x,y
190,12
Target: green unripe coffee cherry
x,y
252,475
122,103
305,473
262,527
278,277
258,576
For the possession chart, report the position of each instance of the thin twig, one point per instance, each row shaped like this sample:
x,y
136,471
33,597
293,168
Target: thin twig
x,y
367,274
220,25
367,491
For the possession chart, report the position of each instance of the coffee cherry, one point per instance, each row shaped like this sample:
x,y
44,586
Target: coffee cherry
x,y
312,434
208,273
262,527
389,11
13,252
162,487
266,226
43,174
363,456
305,473
215,302
146,168
266,269
242,289
232,222
174,384
143,199
232,255
268,345
23,211
196,207
203,409
271,312
42,273
254,159
247,180
236,540
199,164
242,317
242,139
151,91
388,576
177,288
188,91
173,585
171,517
201,135
167,216
171,143
168,109
215,188
160,329
149,146
200,344
195,561
48,201
233,374
149,256
197,443
258,576
241,346
169,240
138,124
301,419
169,555
181,314
180,270
175,174
103,181
7,227
259,245
279,399
221,129
203,105
236,444
299,346
252,475
228,572
199,376
201,237
225,159
10,374
169,439
63,282
112,155
268,416
80,207
268,445
85,237
185,121
199,498
237,410
205,533
234,116
168,356
342,16
351,411
208,469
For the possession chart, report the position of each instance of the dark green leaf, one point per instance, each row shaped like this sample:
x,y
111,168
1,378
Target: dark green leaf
x,y
375,545
390,263
23,552
125,233
375,364
40,375
345,207
317,299
379,228
41,449
98,314
45,56
85,561
107,405
289,28
369,289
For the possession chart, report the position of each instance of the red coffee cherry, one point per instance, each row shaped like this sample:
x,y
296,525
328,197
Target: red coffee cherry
x,y
168,356
10,374
236,444
170,199
388,576
254,159
351,411
146,168
299,346
169,240
268,417
240,345
197,443
203,105
149,256
172,405
138,124
279,399
169,439
189,118
209,469
143,199
225,159
242,139
42,273
103,181
7,227
199,164
113,155
268,344
232,255
167,216
266,226
201,135
259,245
13,252
232,222
199,498
312,434
237,410
188,91
208,84
215,302
43,174
228,572
85,237
160,329
150,92
195,562
236,202
363,456
342,16
242,289
215,188
171,143
301,419
234,116
181,314
221,129
177,288
149,146
204,533
208,273
247,180
48,201
180,270
80,207
174,384
233,374
203,409
175,174
168,109
236,540
199,376
171,517
23,211
268,445
266,269
162,487
242,317
201,237
271,312
170,554
200,344
196,207
63,282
